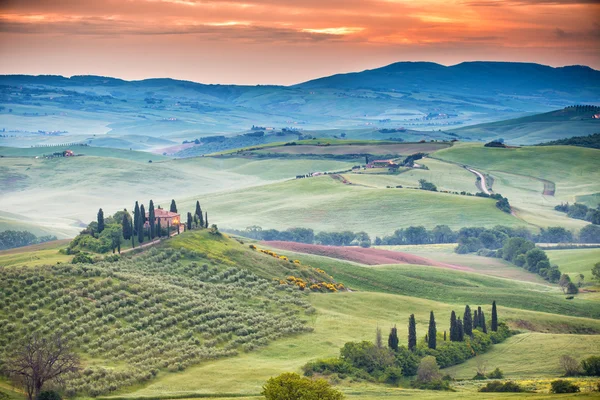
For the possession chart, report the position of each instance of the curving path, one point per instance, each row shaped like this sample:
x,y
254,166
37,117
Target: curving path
x,y
483,183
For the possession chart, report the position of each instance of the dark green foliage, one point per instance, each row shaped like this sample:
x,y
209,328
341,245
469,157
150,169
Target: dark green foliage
x,y
498,386
158,228
432,332
479,377
12,239
136,218
496,374
151,219
206,219
494,317
555,234
198,212
563,386
82,258
424,185
366,356
100,221
590,234
393,339
482,323
475,319
392,375
460,330
468,321
48,395
126,227
591,366
580,211
141,223
592,141
189,221
412,333
173,206
453,327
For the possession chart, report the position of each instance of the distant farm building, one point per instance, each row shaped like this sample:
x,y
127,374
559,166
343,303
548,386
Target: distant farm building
x,y
382,164
165,217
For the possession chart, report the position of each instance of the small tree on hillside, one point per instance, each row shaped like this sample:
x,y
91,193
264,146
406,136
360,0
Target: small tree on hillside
x,y
429,370
141,224
100,221
126,227
570,365
468,321
460,331
432,332
291,386
151,219
136,218
482,322
38,361
475,319
173,208
206,219
412,333
393,339
596,271
189,221
198,212
494,317
378,338
453,327
564,281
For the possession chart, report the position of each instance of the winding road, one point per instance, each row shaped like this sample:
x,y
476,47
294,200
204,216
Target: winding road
x,y
483,183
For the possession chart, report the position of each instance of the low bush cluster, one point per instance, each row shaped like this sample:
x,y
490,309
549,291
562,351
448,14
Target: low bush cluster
x,y
498,386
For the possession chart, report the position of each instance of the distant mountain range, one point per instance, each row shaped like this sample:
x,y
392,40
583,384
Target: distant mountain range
x,y
412,95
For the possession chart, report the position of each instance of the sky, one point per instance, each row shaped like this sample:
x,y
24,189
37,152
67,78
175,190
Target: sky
x,y
286,42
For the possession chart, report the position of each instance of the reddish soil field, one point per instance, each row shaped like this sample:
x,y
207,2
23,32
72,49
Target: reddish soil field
x,y
361,255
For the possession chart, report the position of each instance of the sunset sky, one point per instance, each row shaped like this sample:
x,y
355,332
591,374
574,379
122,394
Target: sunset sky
x,y
286,42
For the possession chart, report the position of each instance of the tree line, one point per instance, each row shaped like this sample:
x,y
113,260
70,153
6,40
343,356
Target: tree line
x,y
580,211
12,239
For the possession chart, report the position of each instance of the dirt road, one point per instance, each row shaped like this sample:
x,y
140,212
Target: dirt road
x,y
482,181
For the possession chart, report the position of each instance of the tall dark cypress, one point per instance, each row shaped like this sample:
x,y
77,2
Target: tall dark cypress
x,y
151,219
206,219
482,318
141,223
445,338
189,221
412,333
132,235
468,321
158,230
198,212
393,339
432,332
475,319
136,218
173,206
100,221
453,327
460,329
494,317
126,227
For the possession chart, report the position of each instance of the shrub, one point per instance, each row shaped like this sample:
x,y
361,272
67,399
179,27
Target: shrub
x,y
563,386
479,377
392,375
569,365
429,370
48,395
496,374
591,366
498,386
291,386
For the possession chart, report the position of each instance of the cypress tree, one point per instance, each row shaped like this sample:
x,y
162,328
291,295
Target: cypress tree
x,y
393,339
173,206
412,333
461,330
475,319
189,221
126,227
168,229
453,327
136,218
206,219
100,221
158,230
141,223
199,213
378,339
482,317
431,342
444,336
494,317
132,235
151,219
196,220
468,321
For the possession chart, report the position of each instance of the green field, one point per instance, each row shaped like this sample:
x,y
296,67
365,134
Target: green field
x,y
324,204
576,261
39,254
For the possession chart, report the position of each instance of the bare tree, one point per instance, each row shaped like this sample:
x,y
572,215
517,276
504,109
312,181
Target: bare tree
x,y
40,360
570,365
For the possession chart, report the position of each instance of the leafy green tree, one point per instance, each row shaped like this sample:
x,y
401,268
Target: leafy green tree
x,y
590,234
291,386
136,218
468,321
412,333
494,317
151,219
189,221
393,339
591,366
100,221
432,332
596,271
429,370
534,257
173,208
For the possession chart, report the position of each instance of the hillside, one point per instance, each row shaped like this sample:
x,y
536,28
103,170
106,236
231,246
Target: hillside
x,y
538,128
591,141
158,114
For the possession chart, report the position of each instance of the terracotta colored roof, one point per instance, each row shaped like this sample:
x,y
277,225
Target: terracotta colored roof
x,y
159,212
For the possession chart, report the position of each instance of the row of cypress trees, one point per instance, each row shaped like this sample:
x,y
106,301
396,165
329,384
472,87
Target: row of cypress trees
x,y
458,328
